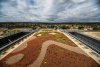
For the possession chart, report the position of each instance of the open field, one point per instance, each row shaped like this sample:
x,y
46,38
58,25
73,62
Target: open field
x,y
93,34
48,48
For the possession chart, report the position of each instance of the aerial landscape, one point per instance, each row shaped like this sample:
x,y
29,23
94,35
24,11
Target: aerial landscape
x,y
49,33
49,45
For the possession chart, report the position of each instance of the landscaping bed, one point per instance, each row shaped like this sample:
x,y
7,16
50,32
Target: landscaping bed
x,y
59,57
56,56
30,53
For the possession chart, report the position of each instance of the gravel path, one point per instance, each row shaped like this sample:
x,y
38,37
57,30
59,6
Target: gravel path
x,y
14,59
45,45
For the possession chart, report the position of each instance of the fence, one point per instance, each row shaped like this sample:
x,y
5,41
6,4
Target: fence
x,y
90,42
6,42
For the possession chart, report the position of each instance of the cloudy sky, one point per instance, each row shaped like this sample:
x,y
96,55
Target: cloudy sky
x,y
49,10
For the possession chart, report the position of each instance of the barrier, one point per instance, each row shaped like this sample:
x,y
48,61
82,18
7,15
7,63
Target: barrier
x,y
90,42
6,43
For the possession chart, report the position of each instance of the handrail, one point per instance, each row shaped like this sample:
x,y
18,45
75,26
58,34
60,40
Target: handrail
x,y
21,38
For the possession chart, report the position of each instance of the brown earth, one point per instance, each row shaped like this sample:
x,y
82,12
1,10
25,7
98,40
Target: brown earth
x,y
93,34
54,56
30,53
59,57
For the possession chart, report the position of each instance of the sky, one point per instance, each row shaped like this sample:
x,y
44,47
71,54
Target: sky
x,y
49,10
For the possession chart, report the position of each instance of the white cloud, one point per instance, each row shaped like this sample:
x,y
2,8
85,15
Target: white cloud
x,y
45,10
78,1
81,11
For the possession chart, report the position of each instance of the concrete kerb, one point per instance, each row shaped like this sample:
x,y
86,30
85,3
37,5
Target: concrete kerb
x,y
16,46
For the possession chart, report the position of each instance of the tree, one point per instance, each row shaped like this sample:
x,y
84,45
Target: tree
x,y
80,27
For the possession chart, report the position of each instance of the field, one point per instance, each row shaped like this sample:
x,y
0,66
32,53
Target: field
x,y
93,34
48,48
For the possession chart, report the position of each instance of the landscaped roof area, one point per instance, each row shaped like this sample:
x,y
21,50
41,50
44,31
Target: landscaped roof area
x,y
48,48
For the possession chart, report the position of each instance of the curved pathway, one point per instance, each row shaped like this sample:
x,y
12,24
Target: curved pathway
x,y
45,45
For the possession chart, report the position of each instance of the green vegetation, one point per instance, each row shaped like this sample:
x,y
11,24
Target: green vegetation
x,y
80,27
45,32
64,27
94,26
10,32
59,37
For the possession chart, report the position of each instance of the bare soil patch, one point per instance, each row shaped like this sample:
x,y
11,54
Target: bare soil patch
x,y
93,34
14,59
31,53
23,45
46,44
52,33
20,48
58,57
